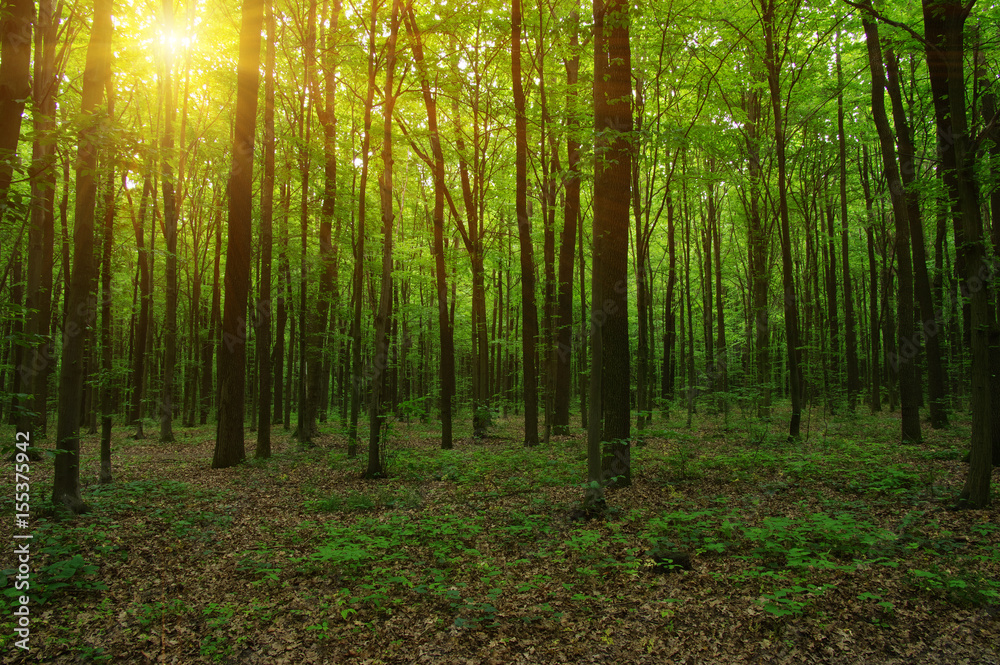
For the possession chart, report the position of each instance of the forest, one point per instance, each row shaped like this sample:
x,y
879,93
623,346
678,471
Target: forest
x,y
407,331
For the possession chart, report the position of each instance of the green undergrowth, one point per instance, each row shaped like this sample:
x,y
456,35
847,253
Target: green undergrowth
x,y
485,536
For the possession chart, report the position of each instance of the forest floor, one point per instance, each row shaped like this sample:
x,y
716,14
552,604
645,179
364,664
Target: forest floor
x,y
841,548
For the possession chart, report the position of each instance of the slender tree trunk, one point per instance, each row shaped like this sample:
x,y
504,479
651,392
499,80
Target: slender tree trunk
x,y
281,315
263,318
930,327
80,311
170,215
906,353
376,412
447,368
760,243
230,442
39,359
791,307
567,239
853,381
107,408
529,312
359,252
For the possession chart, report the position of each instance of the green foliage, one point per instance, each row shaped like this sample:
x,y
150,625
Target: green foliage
x,y
63,570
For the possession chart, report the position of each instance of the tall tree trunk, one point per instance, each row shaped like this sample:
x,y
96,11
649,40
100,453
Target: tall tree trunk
x,y
229,441
170,215
529,312
567,239
929,329
359,251
142,333
873,302
613,154
263,318
853,381
376,412
15,84
80,304
209,397
944,26
281,314
107,408
447,369
906,353
39,360
791,307
760,266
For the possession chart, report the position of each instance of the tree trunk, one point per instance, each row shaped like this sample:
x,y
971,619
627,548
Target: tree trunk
x,y
944,25
447,368
853,381
39,360
263,317
230,442
529,313
613,155
906,352
170,215
15,85
791,307
567,240
930,327
80,311
359,252
376,412
107,408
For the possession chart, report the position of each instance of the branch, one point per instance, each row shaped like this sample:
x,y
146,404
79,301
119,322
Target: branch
x,y
868,9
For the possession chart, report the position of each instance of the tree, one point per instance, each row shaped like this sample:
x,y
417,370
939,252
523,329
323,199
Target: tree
x,y
170,215
15,84
229,440
266,241
904,308
567,239
529,312
447,367
772,64
376,412
610,363
81,302
944,34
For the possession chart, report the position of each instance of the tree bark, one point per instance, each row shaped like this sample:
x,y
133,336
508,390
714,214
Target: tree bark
x,y
107,407
230,442
376,412
15,85
853,382
567,240
930,327
447,367
903,359
39,360
944,26
791,307
170,215
613,156
359,251
263,318
529,312
80,306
